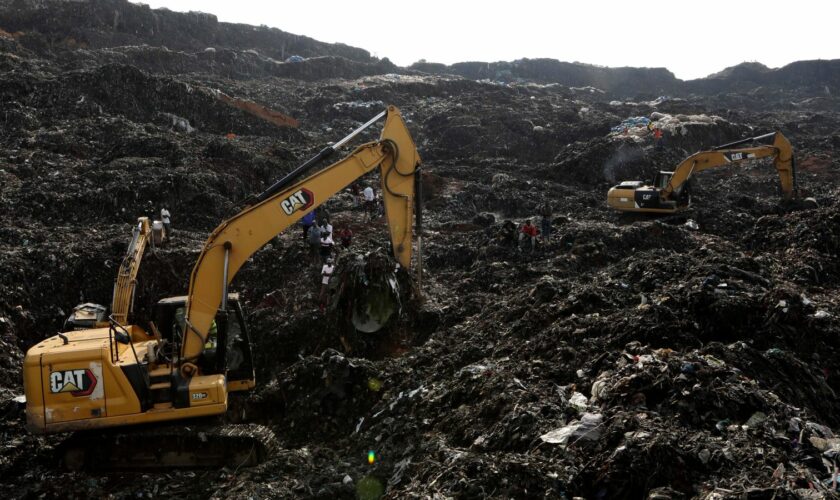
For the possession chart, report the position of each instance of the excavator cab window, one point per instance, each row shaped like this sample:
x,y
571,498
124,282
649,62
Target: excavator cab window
x,y
662,179
238,362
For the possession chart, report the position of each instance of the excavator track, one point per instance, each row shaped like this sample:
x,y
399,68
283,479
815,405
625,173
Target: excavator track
x,y
166,447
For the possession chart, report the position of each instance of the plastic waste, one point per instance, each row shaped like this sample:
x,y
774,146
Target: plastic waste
x,y
585,429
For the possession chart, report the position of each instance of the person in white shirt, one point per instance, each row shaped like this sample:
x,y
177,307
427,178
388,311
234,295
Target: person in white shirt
x,y
326,274
164,217
325,226
370,201
326,246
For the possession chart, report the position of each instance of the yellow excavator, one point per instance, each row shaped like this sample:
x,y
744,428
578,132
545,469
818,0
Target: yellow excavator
x,y
121,375
669,192
90,315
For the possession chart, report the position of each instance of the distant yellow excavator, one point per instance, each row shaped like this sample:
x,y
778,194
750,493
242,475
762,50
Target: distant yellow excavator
x,y
89,315
123,374
669,192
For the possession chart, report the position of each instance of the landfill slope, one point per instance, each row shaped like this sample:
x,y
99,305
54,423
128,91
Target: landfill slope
x,y
691,356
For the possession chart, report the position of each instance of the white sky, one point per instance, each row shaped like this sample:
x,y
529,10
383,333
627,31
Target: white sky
x,y
692,38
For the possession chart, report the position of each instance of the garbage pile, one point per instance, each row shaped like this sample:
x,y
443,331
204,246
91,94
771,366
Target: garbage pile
x,y
690,356
687,132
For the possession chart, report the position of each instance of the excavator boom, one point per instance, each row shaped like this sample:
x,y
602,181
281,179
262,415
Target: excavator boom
x,y
126,280
235,240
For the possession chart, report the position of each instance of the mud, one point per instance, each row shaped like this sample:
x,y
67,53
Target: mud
x,y
692,356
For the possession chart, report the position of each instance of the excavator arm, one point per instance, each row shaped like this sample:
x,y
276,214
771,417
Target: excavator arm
x,y
235,240
126,280
725,155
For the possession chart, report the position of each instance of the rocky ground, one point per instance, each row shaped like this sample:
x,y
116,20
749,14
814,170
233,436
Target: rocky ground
x,y
629,357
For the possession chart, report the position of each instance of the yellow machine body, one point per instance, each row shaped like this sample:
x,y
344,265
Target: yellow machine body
x,y
84,384
669,193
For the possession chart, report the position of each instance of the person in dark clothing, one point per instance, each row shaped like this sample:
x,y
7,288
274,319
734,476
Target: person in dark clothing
x,y
306,222
545,212
507,234
315,243
323,213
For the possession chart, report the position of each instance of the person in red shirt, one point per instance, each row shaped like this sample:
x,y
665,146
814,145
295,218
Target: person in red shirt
x,y
345,236
657,138
528,231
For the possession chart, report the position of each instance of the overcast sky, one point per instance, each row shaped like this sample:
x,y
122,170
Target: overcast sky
x,y
691,38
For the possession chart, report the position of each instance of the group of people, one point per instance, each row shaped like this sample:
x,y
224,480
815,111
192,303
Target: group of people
x,y
322,239
322,242
318,232
528,235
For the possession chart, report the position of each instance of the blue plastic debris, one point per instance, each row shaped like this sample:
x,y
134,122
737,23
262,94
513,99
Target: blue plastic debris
x,y
634,121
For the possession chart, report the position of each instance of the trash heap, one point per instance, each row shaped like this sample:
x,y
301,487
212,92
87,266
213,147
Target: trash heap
x,y
693,356
640,128
634,122
680,124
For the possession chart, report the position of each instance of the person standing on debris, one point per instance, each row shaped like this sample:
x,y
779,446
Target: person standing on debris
x,y
545,211
325,226
315,243
326,245
657,138
528,231
507,234
345,237
167,226
326,273
369,202
323,213
306,222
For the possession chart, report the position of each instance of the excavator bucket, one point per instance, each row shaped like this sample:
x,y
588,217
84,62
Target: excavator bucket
x,y
368,291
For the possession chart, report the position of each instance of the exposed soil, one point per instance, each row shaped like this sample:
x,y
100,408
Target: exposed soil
x,y
693,356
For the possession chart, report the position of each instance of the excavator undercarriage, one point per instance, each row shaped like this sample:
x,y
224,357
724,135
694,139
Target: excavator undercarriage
x,y
197,444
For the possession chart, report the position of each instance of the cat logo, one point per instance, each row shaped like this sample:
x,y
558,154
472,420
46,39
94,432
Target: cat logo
x,y
299,200
738,156
77,382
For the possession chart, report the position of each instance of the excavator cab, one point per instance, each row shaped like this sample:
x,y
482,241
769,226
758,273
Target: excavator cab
x,y
662,178
227,350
